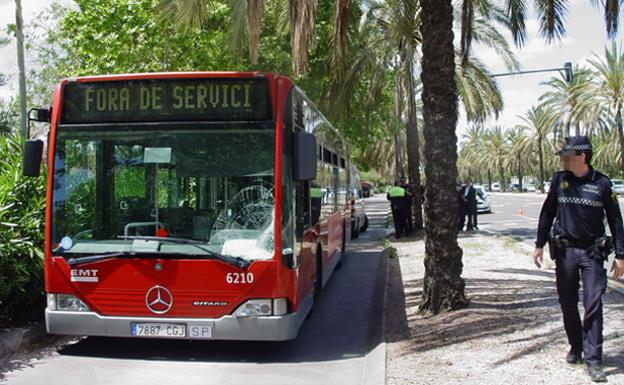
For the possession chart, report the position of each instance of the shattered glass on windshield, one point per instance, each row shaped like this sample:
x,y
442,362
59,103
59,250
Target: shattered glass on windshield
x,y
246,227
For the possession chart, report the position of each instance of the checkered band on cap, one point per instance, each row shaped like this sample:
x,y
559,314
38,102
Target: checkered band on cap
x,y
578,147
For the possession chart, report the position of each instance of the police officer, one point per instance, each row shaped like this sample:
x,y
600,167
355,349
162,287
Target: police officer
x,y
398,203
577,201
409,194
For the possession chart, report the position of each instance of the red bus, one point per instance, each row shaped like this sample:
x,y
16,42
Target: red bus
x,y
204,205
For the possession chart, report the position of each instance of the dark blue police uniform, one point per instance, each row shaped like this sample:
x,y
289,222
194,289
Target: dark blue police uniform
x,y
577,206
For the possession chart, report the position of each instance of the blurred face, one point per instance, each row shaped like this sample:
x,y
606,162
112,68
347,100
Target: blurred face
x,y
468,181
573,160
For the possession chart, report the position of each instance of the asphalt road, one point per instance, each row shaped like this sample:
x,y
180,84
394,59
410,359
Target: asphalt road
x,y
340,343
517,214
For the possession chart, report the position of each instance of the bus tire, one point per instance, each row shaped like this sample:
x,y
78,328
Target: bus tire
x,y
355,231
318,275
365,223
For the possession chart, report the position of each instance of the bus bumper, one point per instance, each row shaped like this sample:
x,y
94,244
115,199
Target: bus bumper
x,y
274,328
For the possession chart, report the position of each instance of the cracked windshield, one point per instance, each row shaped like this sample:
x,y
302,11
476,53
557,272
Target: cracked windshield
x,y
213,186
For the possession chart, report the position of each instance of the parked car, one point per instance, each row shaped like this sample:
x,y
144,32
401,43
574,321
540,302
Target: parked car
x,y
546,187
531,188
359,219
618,186
496,187
483,202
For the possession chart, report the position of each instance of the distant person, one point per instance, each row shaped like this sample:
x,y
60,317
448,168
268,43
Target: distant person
x,y
468,195
461,207
396,195
577,202
409,196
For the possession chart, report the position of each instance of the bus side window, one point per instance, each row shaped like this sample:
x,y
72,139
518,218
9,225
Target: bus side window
x,y
302,208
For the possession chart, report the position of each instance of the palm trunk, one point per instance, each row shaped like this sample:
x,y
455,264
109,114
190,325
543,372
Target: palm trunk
x,y
413,144
397,138
19,30
443,286
519,175
541,163
501,171
489,174
618,123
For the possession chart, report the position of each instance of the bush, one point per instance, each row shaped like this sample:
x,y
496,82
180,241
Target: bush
x,y
22,229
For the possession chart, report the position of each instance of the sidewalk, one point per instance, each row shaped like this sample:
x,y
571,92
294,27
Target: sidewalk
x,y
511,332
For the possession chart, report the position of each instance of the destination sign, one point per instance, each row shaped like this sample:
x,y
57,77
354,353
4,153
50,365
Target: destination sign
x,y
166,100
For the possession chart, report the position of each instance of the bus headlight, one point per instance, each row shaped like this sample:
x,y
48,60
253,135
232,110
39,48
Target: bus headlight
x,y
262,307
66,302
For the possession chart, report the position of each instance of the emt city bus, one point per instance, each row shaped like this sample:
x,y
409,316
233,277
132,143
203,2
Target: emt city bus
x,y
205,205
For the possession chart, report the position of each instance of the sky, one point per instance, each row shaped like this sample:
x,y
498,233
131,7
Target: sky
x,y
585,37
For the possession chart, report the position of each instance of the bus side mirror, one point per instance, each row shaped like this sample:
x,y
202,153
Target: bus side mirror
x,y
304,148
33,151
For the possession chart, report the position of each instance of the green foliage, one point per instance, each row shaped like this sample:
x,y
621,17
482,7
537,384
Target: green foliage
x,y
22,203
126,36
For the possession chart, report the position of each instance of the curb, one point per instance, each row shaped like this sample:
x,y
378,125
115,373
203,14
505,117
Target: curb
x,y
375,366
14,340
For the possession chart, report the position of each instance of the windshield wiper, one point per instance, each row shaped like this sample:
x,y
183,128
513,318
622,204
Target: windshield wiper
x,y
75,261
239,262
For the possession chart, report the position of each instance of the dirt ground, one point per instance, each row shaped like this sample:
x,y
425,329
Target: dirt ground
x,y
511,333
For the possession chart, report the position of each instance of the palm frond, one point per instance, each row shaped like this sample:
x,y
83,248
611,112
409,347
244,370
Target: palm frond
x,y
517,14
552,18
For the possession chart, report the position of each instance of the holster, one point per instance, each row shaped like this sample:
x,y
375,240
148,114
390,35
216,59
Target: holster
x,y
553,249
555,244
602,247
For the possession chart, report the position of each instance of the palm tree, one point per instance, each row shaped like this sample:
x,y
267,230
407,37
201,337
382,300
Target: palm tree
x,y
440,115
247,18
572,99
471,155
19,31
518,158
443,286
539,122
496,150
395,34
611,86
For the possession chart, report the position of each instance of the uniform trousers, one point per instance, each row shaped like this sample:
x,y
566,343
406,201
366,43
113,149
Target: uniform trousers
x,y
572,265
399,216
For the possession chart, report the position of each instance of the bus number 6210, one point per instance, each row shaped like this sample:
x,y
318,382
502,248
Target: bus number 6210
x,y
234,278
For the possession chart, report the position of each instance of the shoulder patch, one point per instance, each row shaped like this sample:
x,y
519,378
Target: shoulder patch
x,y
564,184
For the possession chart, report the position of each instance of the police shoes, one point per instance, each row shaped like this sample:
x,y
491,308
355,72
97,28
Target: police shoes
x,y
596,373
574,357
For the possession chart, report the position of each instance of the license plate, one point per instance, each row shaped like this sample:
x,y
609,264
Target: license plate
x,y
200,331
145,329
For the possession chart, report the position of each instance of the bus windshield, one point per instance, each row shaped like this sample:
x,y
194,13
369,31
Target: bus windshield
x,y
211,185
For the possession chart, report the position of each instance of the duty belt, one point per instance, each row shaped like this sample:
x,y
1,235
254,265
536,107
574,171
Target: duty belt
x,y
568,243
599,248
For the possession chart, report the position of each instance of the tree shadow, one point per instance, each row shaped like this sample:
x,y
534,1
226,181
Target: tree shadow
x,y
498,307
521,234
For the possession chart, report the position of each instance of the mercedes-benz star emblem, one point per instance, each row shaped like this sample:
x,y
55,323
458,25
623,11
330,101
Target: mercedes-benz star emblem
x,y
158,300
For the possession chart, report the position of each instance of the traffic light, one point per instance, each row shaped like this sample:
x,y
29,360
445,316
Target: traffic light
x,y
567,67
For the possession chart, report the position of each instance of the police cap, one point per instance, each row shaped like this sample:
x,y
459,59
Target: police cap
x,y
575,143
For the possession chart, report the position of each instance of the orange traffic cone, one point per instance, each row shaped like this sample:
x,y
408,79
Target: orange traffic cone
x,y
521,211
